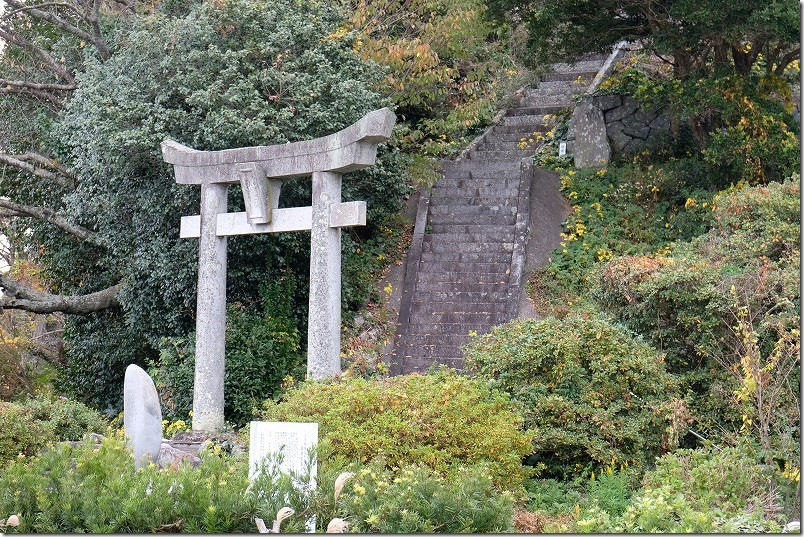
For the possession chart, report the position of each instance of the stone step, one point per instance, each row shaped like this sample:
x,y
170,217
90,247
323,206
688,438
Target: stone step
x,y
472,210
491,237
467,247
569,76
479,154
534,111
583,66
455,296
529,122
464,277
502,130
459,166
446,340
473,229
462,287
483,178
499,145
472,201
472,188
515,137
542,101
448,328
463,268
474,192
424,308
559,87
481,319
415,364
454,217
466,257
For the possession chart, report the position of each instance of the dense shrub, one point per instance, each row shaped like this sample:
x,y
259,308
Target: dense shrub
x,y
592,392
261,349
709,490
96,489
439,420
416,500
30,425
82,489
66,418
634,209
725,308
20,434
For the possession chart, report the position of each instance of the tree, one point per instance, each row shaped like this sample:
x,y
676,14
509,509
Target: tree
x,y
694,36
446,64
37,75
212,76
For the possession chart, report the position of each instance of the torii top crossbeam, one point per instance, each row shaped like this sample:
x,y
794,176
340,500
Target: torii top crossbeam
x,y
347,150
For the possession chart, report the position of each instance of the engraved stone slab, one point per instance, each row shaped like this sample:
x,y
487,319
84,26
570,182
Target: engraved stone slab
x,y
142,415
294,441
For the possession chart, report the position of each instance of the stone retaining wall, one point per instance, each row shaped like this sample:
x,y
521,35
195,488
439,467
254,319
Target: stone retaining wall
x,y
611,126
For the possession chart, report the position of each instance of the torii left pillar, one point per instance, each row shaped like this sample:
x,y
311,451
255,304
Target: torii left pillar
x,y
260,170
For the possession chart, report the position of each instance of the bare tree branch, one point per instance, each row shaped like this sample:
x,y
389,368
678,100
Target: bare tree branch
x,y
98,39
12,37
65,5
63,177
19,296
50,216
37,85
44,95
62,24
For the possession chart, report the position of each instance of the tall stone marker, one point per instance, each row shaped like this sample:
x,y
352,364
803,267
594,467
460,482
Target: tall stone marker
x,y
142,415
260,171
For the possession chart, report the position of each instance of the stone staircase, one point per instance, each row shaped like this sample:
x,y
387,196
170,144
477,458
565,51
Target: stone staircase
x,y
465,264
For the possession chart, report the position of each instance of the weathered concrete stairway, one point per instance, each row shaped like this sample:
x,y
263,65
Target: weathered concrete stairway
x,y
465,263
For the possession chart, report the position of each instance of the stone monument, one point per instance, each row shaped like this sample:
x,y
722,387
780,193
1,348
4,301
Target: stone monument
x,y
294,443
142,416
260,171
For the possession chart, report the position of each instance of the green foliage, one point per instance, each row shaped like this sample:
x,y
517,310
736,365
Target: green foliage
x,y
445,66
32,424
262,348
698,37
20,434
83,489
709,490
725,307
593,393
66,418
415,499
551,496
742,125
440,420
215,76
623,210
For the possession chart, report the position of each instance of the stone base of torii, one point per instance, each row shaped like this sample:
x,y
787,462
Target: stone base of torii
x,y
260,171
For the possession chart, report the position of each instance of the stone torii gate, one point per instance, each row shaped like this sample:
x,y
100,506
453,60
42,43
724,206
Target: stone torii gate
x,y
260,171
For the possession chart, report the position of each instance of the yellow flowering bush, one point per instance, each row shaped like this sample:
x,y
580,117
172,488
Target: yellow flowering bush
x,y
441,420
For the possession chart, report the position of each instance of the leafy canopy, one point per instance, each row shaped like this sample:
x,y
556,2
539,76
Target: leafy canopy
x,y
222,75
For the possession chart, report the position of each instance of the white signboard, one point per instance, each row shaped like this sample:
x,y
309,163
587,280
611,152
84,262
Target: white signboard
x,y
562,149
294,441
